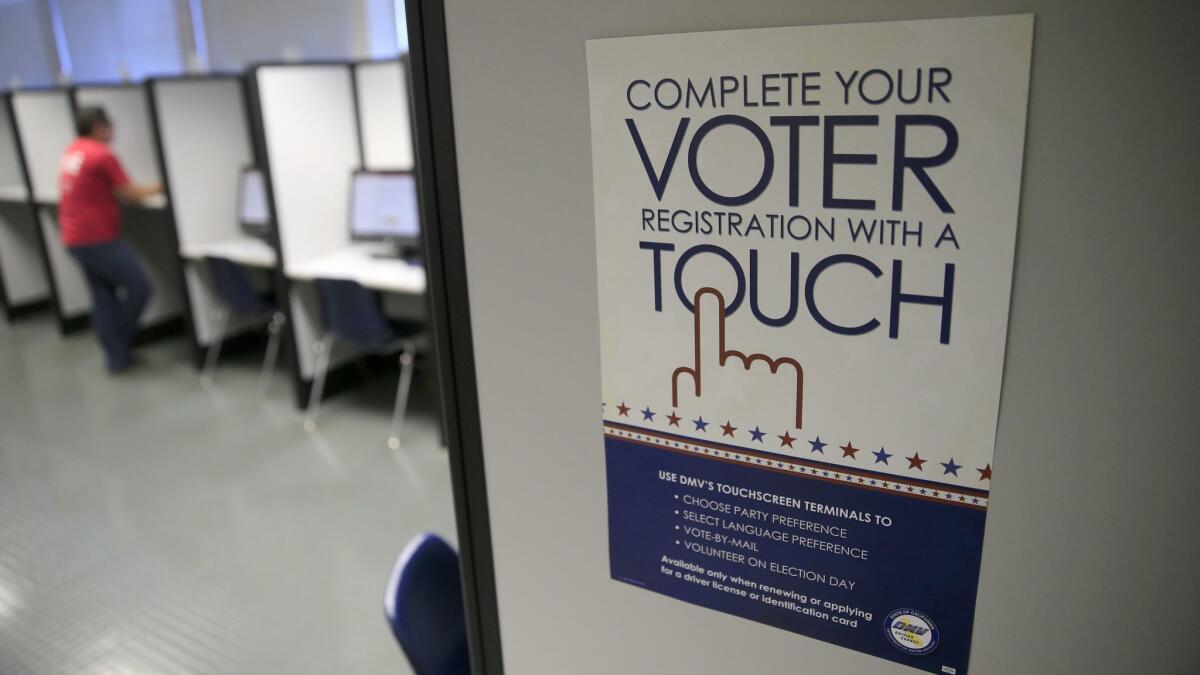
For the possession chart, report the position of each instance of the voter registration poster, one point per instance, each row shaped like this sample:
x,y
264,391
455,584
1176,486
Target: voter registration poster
x,y
805,245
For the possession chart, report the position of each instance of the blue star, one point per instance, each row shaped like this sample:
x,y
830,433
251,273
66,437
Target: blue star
x,y
881,456
757,435
648,414
951,467
818,446
701,425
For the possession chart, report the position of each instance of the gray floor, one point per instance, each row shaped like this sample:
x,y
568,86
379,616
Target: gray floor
x,y
151,526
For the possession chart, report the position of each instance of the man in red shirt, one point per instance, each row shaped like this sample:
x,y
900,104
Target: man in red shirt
x,y
90,181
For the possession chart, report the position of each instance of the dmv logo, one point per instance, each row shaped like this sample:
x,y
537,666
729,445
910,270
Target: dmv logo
x,y
911,631
909,628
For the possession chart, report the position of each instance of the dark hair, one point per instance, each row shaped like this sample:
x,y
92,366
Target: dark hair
x,y
88,118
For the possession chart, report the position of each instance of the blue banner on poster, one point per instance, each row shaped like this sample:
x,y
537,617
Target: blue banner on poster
x,y
852,557
804,257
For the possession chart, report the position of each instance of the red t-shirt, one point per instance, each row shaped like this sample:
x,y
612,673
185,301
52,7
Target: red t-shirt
x,y
88,212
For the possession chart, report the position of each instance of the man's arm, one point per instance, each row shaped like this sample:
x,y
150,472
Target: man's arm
x,y
125,189
136,193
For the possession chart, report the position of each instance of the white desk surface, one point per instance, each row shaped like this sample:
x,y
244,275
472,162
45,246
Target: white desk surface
x,y
248,251
356,263
13,193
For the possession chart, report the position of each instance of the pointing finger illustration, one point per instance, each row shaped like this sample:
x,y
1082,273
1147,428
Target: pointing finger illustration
x,y
709,330
709,351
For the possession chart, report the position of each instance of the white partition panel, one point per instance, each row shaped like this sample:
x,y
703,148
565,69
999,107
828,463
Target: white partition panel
x,y
133,136
21,266
205,144
383,112
46,127
311,134
12,182
312,148
202,127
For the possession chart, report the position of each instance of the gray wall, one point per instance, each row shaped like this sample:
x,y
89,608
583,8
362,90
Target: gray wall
x,y
1089,559
107,40
241,32
25,50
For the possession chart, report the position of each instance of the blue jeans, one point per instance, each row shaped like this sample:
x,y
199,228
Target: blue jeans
x,y
120,291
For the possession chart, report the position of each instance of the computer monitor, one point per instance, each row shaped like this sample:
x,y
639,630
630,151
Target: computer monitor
x,y
252,203
383,207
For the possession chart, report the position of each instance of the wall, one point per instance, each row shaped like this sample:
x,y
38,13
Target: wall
x,y
109,40
24,52
1092,532
112,40
241,33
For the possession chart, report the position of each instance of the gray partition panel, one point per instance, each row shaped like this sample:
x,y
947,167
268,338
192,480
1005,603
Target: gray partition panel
x,y
1092,534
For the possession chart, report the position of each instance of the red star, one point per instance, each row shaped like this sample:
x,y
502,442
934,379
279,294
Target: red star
x,y
673,419
785,439
623,409
848,450
916,462
985,473
727,429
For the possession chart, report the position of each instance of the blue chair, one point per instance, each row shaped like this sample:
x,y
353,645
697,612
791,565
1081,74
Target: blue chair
x,y
237,296
351,313
424,606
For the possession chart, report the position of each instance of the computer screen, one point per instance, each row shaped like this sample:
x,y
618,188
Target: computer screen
x,y
383,205
252,202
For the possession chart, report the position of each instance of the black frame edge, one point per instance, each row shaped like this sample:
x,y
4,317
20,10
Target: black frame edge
x,y
429,68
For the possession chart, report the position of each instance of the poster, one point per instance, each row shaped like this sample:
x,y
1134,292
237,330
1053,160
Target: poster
x,y
805,245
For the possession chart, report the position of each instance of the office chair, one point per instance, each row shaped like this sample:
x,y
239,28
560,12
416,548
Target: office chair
x,y
237,295
351,313
424,606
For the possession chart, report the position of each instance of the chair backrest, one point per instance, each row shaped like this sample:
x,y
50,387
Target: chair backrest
x,y
424,606
353,313
232,283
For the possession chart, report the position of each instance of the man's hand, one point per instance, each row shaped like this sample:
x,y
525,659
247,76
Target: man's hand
x,y
710,354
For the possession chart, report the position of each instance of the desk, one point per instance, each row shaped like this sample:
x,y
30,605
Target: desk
x,y
356,263
401,283
248,251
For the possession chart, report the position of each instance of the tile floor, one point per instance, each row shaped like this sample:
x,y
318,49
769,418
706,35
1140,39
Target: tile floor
x,y
152,526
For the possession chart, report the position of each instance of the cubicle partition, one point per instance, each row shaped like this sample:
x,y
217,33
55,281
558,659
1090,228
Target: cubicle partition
x,y
202,127
147,226
317,124
23,283
45,127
